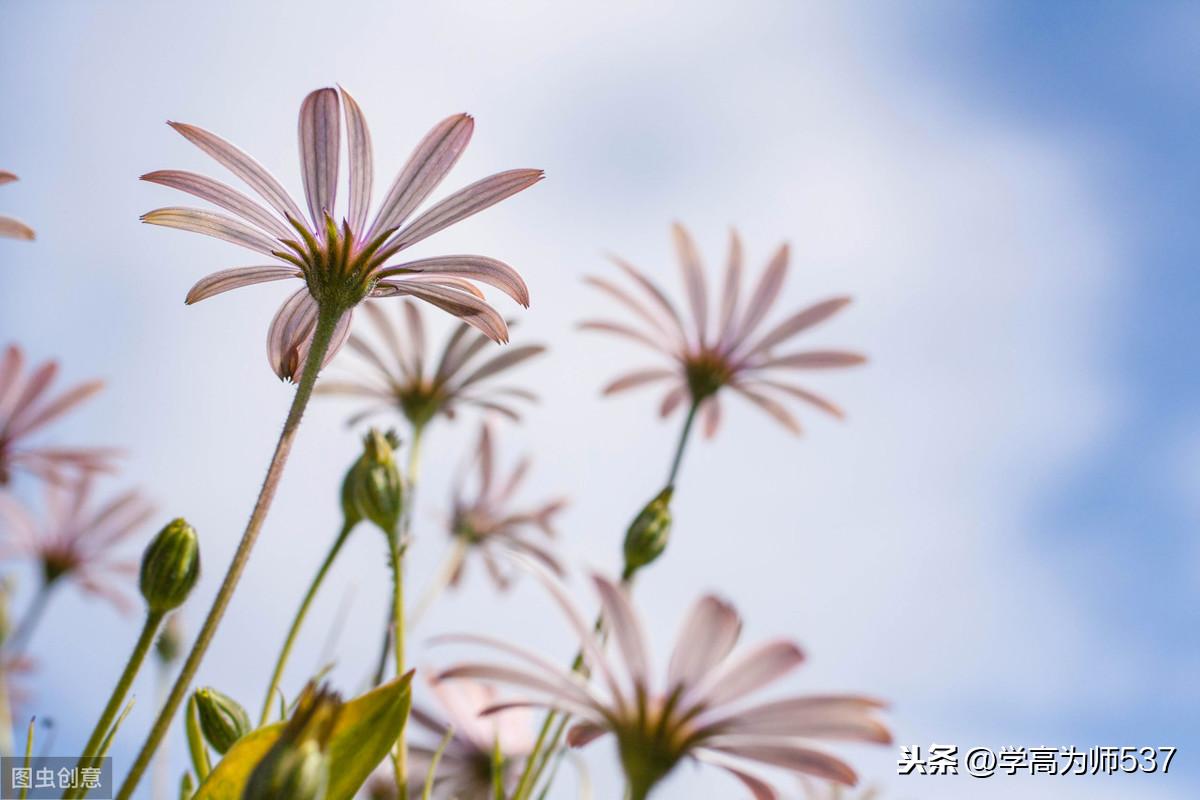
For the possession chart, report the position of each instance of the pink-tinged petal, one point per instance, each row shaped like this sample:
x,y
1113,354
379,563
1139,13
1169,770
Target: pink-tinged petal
x,y
506,360
486,452
623,621
793,757
32,390
457,352
815,359
242,165
584,733
15,229
760,789
656,294
732,292
331,388
10,380
221,195
765,294
446,282
846,719
556,690
30,422
480,268
236,278
212,224
799,393
361,159
625,331
391,339
797,323
416,335
693,279
710,416
781,414
672,400
469,309
642,377
706,639
320,143
296,319
7,177
372,356
756,668
660,324
435,155
465,203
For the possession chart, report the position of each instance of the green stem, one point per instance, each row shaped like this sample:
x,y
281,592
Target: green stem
x,y
683,440
298,621
397,557
327,319
29,621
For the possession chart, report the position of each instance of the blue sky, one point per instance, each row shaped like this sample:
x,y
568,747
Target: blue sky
x,y
1000,539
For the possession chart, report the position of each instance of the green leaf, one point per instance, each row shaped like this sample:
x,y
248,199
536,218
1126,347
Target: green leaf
x,y
365,731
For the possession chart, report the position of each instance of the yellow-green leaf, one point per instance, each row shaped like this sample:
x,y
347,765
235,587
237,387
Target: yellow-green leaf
x,y
365,731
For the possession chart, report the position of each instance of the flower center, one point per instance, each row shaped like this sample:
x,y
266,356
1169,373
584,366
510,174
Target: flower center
x,y
707,371
340,271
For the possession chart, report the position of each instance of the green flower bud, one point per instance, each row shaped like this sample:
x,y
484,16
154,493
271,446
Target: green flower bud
x,y
297,766
187,787
222,720
377,490
169,646
170,567
649,532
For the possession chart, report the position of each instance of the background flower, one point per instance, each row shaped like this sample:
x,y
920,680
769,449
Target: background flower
x,y
9,227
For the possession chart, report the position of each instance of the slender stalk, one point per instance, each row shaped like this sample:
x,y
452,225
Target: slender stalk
x,y
401,758
683,440
33,615
160,770
6,721
104,724
327,320
441,579
298,621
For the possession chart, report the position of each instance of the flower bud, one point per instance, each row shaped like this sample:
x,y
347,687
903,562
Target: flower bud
x,y
297,766
170,642
170,567
222,720
648,533
187,787
377,490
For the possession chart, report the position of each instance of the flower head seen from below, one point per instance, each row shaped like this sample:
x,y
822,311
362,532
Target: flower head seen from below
x,y
731,351
397,375
478,745
486,521
13,228
27,406
699,711
77,540
342,260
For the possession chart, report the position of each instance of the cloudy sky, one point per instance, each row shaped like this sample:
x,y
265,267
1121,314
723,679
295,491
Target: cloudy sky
x,y
1000,538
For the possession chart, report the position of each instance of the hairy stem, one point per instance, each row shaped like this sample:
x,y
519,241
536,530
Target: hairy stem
x,y
298,621
401,758
327,319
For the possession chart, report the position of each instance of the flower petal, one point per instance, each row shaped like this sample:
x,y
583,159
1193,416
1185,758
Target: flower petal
x,y
797,392
693,279
15,229
798,322
781,414
623,330
236,278
480,268
434,156
23,425
791,757
320,143
815,359
765,294
7,177
469,309
731,293
707,637
656,294
464,203
213,224
641,377
757,667
220,194
358,145
623,297
506,360
296,319
627,628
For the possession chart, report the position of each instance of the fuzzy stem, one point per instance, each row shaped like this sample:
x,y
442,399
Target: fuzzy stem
x,y
327,319
683,440
140,649
298,621
401,758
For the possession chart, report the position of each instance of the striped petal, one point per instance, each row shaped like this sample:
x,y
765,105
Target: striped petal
x,y
361,158
765,294
28,423
656,294
623,330
469,309
465,203
626,299
480,268
627,628
295,320
707,637
693,279
435,155
791,757
320,142
815,359
731,292
212,224
221,195
756,668
506,360
236,278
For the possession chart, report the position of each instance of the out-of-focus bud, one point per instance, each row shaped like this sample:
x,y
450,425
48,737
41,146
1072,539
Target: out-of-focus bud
x,y
375,487
170,567
297,766
649,532
222,719
169,646
187,787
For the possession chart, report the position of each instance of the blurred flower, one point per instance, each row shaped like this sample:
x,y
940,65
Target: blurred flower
x,y
708,357
484,519
398,376
466,767
76,538
343,264
26,407
169,646
13,228
699,711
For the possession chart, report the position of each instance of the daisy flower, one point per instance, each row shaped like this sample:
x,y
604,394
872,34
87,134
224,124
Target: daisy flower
x,y
13,228
27,405
485,520
398,374
699,712
342,261
706,354
77,537
466,769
